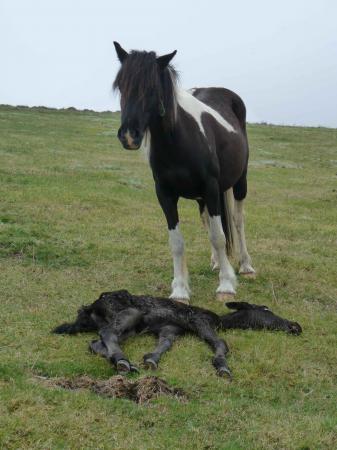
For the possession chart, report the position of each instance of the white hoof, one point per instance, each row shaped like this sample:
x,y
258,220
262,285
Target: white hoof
x,y
225,290
251,275
224,296
247,271
180,291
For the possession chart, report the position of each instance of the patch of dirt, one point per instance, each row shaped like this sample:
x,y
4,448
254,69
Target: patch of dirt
x,y
140,391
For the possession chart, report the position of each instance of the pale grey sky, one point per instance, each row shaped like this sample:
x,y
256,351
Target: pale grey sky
x,y
279,56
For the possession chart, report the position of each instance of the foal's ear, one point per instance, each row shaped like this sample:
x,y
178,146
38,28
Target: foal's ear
x,y
163,61
121,53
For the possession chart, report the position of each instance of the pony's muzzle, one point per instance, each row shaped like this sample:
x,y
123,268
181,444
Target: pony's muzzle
x,y
130,139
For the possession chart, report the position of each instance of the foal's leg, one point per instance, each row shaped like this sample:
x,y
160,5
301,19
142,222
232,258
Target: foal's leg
x,y
219,346
180,287
166,337
240,191
205,220
227,278
112,334
98,347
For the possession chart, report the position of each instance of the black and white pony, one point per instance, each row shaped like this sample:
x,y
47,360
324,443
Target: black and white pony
x,y
198,149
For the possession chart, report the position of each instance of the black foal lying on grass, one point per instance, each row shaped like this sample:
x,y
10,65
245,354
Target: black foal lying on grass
x,y
119,315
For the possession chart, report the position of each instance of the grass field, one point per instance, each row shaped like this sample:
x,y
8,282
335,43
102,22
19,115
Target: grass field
x,y
78,216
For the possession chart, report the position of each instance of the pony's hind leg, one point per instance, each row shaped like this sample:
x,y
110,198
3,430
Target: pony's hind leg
x,y
240,191
205,220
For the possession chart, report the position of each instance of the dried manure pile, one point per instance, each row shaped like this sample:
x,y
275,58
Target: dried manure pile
x,y
140,391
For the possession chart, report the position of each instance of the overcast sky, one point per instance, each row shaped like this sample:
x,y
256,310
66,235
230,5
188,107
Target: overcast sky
x,y
279,56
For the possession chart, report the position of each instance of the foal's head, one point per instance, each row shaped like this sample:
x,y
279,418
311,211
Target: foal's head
x,y
146,84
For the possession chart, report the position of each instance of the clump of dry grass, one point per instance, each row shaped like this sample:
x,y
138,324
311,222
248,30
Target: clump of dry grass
x,y
140,391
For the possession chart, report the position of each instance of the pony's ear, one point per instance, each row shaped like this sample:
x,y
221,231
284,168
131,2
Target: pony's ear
x,y
163,61
121,53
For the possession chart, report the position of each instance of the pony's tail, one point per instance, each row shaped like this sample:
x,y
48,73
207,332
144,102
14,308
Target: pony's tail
x,y
227,219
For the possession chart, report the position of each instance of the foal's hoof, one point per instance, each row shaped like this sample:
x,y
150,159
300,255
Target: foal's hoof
x,y
224,296
149,362
222,371
134,369
123,366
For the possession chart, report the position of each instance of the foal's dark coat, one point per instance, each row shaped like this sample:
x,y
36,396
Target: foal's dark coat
x,y
118,315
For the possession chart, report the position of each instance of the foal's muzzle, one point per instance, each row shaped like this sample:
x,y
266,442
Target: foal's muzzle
x,y
130,139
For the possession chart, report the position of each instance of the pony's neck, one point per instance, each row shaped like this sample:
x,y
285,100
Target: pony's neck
x,y
161,131
168,101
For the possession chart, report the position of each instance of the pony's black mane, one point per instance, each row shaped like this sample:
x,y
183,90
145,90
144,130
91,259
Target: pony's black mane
x,y
141,77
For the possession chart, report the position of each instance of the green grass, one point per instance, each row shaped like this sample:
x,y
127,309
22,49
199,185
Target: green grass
x,y
78,216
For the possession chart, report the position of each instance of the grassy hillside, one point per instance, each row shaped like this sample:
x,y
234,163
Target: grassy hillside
x,y
78,216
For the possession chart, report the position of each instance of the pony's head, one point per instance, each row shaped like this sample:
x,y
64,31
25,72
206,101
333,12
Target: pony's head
x,y
147,87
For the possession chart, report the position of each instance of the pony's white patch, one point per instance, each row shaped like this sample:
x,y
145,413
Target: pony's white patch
x,y
196,108
180,288
146,144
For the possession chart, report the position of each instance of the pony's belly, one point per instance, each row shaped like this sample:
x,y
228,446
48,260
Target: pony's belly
x,y
182,184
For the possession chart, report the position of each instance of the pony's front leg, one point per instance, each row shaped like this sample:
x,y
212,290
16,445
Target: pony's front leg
x,y
227,279
226,288
180,287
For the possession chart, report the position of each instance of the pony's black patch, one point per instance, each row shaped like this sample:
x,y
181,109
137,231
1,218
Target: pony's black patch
x,y
198,150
